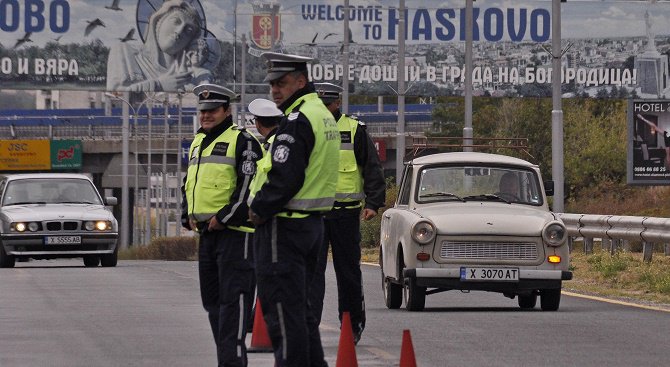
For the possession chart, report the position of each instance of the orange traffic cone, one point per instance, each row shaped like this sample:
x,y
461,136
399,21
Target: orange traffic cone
x,y
407,358
260,339
346,351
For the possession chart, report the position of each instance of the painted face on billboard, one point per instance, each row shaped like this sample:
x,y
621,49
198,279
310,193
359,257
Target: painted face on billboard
x,y
176,31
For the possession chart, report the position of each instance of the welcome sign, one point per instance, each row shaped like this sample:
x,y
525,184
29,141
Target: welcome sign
x,y
172,45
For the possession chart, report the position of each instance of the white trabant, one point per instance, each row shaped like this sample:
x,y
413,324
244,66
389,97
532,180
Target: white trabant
x,y
473,221
55,215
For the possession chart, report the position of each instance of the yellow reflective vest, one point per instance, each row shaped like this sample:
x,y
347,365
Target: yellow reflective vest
x,y
350,178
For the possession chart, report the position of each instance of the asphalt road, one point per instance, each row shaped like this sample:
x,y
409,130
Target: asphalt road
x,y
148,313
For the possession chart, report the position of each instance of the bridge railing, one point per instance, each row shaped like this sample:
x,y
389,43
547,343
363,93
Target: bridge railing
x,y
615,231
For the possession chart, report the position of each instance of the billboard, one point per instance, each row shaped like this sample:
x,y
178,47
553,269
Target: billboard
x,y
172,45
40,155
649,142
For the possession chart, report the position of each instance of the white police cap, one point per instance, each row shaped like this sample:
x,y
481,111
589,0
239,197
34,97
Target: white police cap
x,y
328,92
281,64
211,96
261,107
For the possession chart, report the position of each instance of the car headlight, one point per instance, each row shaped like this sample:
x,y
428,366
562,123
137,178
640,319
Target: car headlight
x,y
554,234
19,226
100,225
423,232
33,226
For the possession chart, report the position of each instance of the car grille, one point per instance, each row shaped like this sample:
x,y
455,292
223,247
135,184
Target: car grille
x,y
62,226
488,250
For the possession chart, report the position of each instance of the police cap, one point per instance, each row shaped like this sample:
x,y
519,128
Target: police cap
x,y
211,96
261,107
328,92
281,64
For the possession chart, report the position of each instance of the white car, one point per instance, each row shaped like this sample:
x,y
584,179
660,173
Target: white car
x,y
473,221
55,215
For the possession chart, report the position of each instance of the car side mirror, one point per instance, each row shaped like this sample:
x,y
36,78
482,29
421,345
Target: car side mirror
x,y
549,188
111,200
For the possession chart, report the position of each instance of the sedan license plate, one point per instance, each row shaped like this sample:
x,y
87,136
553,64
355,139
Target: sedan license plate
x,y
62,240
490,274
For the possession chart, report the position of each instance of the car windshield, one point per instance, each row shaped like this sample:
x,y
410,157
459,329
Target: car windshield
x,y
479,183
50,191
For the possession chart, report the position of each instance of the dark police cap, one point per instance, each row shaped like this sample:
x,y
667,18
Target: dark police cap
x,y
281,64
328,92
211,96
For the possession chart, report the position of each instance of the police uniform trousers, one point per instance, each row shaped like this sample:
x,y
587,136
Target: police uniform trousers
x,y
225,264
342,232
286,251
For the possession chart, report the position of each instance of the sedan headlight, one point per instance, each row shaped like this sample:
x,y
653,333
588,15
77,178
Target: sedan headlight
x,y
423,232
554,234
25,226
100,225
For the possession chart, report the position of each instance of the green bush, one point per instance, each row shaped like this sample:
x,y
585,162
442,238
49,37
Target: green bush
x,y
610,265
370,230
164,248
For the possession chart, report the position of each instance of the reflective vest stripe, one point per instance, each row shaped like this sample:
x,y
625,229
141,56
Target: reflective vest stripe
x,y
216,159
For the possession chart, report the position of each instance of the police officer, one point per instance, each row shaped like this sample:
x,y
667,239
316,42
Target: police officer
x,y
266,117
222,162
287,208
360,185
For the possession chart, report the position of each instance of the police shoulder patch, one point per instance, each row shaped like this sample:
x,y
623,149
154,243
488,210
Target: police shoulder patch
x,y
280,154
286,137
293,115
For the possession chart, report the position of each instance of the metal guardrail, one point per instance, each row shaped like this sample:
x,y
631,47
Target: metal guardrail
x,y
613,230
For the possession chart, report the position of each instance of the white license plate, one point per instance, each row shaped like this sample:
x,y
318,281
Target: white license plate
x,y
62,240
490,274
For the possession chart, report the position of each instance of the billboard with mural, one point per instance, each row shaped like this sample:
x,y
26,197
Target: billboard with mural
x,y
649,142
172,45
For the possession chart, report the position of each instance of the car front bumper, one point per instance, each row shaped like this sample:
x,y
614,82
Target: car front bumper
x,y
35,245
529,279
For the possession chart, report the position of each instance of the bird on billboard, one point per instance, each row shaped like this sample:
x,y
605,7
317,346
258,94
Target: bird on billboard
x,y
129,37
114,6
57,39
313,43
328,35
93,24
23,40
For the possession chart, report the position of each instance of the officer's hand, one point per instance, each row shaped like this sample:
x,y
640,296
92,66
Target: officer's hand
x,y
214,224
192,224
368,214
255,219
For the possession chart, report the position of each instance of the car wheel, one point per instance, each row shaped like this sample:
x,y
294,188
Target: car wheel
x,y
6,261
527,301
415,296
550,299
91,261
392,291
110,260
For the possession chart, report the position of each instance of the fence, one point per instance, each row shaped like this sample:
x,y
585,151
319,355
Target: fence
x,y
616,231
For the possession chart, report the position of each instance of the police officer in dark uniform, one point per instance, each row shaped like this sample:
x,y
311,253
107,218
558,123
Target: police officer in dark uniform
x,y
361,191
287,208
222,163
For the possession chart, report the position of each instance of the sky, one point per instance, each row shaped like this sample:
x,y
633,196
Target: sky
x,y
580,19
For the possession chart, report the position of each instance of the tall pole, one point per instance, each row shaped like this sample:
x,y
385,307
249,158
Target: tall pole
x,y
345,59
400,134
147,232
179,149
243,90
124,172
557,111
164,206
467,127
136,227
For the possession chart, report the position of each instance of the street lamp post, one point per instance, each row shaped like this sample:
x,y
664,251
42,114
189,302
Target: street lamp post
x,y
123,235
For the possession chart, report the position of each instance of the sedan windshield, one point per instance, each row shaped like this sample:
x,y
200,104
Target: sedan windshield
x,y
479,183
50,191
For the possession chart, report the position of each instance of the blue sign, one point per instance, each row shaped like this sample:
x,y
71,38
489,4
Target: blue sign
x,y
185,145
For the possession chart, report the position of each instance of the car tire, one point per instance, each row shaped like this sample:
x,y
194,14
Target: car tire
x,y
392,291
6,261
550,299
528,301
415,296
91,261
110,260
